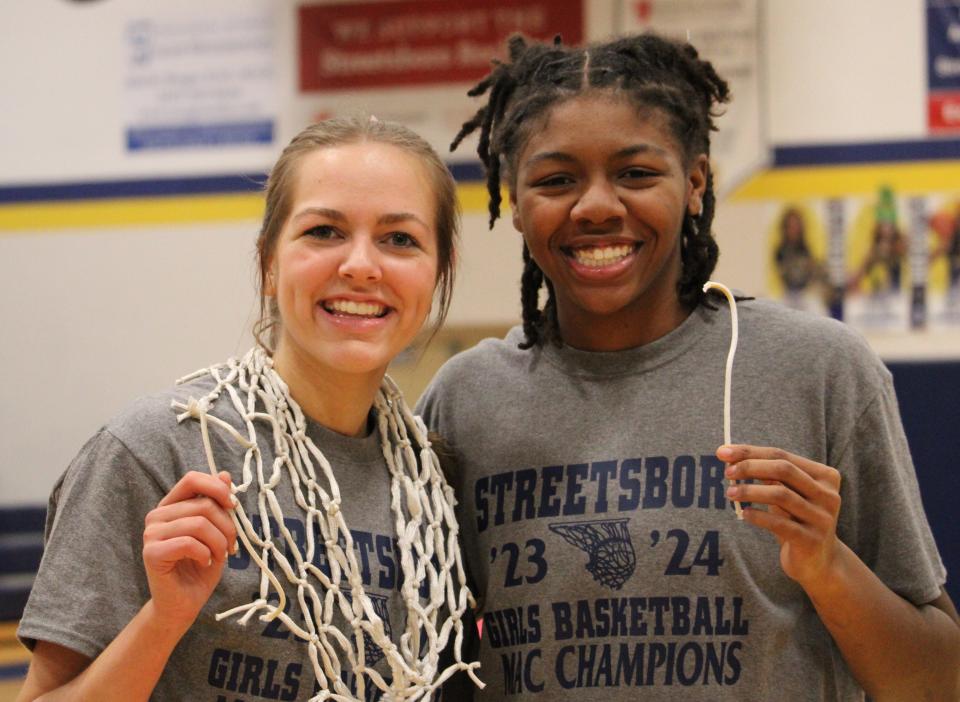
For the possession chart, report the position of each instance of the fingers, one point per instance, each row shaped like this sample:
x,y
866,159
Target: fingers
x,y
782,474
192,521
197,528
216,487
787,503
802,500
167,553
738,453
202,508
801,488
782,526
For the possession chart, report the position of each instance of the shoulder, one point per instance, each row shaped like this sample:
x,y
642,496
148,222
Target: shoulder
x,y
478,365
806,332
803,343
153,416
473,378
139,453
148,437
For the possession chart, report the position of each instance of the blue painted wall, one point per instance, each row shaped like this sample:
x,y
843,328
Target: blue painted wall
x,y
929,396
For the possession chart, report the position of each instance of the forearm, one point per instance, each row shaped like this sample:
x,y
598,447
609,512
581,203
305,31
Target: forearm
x,y
896,650
129,668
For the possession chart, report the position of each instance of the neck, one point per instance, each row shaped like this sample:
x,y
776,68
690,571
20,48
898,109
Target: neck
x,y
613,336
615,333
339,401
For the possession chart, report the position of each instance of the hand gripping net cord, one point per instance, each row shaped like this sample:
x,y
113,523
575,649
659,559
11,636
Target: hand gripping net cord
x,y
728,372
421,501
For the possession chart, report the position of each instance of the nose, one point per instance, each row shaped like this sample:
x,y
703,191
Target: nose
x,y
598,204
362,261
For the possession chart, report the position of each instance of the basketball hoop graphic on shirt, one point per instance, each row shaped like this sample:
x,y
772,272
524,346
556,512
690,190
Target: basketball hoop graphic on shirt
x,y
607,543
372,653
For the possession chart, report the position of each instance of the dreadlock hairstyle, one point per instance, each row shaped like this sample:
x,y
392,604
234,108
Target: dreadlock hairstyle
x,y
651,71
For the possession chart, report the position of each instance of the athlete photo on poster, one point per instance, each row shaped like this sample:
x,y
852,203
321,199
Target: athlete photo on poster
x,y
877,280
798,271
944,224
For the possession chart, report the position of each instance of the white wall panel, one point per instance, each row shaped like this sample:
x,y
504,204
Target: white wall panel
x,y
92,318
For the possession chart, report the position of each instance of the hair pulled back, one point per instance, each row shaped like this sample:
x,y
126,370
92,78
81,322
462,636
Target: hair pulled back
x,y
341,131
651,71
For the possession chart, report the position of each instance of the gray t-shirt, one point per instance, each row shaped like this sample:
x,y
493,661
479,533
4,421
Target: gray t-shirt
x,y
92,581
607,559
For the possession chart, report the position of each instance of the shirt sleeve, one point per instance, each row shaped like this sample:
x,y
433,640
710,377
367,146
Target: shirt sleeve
x,y
91,581
882,517
427,406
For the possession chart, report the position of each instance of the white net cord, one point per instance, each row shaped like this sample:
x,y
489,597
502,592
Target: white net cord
x,y
422,504
728,371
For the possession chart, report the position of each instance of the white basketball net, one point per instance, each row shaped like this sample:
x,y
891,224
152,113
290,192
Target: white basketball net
x,y
422,504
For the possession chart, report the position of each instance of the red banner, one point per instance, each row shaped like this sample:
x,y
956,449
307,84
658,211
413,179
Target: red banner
x,y
420,42
943,111
943,65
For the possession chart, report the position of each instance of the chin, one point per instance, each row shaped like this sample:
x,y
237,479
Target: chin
x,y
359,364
605,307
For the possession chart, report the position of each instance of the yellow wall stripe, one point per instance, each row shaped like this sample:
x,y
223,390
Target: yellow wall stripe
x,y
838,181
126,211
473,197
184,209
775,184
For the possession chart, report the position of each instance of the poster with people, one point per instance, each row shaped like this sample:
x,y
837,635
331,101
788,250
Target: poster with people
x,y
878,275
885,262
798,249
944,272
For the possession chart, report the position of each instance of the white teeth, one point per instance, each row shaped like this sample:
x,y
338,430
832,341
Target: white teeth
x,y
601,255
360,309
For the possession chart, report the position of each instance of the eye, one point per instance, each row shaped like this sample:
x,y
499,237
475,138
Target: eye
x,y
401,240
557,180
323,232
637,173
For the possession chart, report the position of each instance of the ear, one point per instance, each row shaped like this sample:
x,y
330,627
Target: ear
x,y
697,184
269,282
515,212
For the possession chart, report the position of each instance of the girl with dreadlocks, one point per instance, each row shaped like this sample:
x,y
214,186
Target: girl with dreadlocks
x,y
596,516
347,574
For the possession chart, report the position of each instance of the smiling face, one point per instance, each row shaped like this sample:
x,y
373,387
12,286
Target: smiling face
x,y
601,189
355,266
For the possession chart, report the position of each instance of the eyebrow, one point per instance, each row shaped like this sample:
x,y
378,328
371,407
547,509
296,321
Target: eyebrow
x,y
549,156
338,216
622,153
640,149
